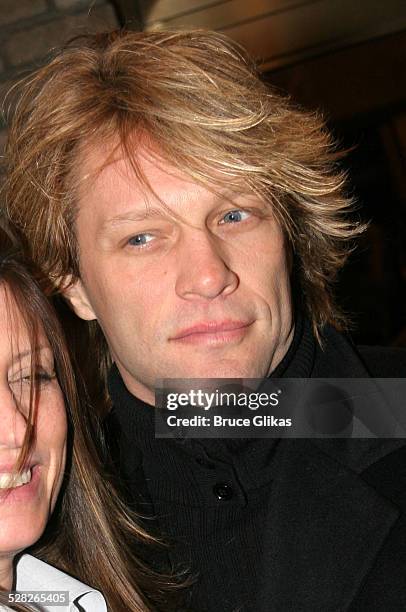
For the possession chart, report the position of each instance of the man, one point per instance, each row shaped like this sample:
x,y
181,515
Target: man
x,y
200,220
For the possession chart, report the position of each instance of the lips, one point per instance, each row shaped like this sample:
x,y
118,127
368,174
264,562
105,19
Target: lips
x,y
19,491
10,480
213,333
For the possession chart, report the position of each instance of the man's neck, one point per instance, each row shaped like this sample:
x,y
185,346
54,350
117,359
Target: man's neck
x,y
282,350
145,394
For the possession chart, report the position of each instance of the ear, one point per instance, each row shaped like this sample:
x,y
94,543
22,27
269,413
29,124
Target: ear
x,y
77,297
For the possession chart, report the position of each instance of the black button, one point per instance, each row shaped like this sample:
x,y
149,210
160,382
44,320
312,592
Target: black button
x,y
223,491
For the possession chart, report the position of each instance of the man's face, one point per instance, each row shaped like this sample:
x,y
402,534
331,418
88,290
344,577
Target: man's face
x,y
189,284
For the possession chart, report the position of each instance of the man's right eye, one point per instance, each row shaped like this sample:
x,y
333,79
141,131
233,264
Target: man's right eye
x,y
140,240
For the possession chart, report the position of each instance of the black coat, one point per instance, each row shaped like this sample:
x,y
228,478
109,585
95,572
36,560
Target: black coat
x,y
325,528
339,541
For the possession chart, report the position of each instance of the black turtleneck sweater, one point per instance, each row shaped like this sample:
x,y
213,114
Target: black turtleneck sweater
x,y
217,533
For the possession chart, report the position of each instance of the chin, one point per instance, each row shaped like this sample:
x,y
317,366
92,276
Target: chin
x,y
226,369
17,535
16,543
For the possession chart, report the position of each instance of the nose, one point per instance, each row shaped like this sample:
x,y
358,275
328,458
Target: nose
x,y
203,272
13,423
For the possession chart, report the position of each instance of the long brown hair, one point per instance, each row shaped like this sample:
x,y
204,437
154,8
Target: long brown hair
x,y
91,535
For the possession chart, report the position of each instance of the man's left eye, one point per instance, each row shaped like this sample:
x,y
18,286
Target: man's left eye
x,y
234,216
140,240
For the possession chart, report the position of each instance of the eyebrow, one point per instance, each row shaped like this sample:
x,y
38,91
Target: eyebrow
x,y
28,352
133,215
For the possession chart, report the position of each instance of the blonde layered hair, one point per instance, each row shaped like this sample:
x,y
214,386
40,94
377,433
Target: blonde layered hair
x,y
198,96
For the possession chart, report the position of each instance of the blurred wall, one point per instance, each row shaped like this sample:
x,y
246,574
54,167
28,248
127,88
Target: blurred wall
x,y
29,29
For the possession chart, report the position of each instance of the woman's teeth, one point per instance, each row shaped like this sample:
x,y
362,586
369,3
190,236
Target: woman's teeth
x,y
11,481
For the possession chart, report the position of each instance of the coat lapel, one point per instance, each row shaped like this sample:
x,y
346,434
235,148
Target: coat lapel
x,y
325,528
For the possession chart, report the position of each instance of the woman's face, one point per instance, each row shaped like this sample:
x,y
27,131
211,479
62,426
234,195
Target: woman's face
x,y
26,502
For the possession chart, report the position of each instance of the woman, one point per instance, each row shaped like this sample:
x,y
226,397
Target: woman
x,y
47,445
